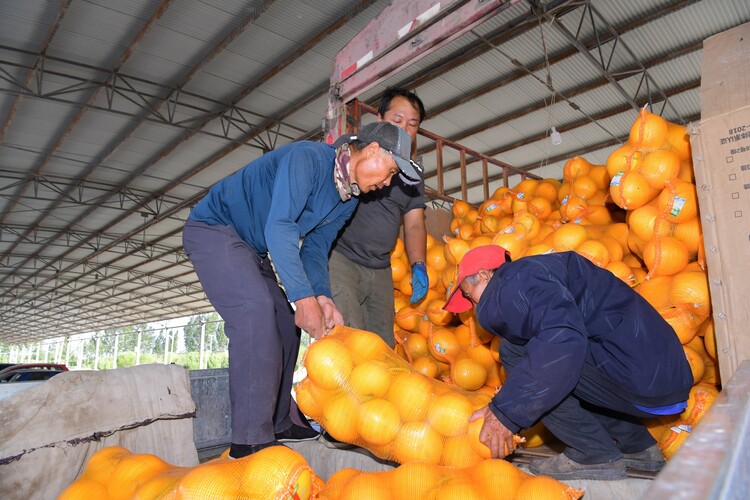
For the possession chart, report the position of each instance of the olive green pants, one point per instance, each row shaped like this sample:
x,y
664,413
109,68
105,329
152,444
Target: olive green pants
x,y
363,295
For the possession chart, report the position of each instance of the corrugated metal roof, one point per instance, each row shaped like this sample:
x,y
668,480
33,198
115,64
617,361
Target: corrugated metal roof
x,y
101,165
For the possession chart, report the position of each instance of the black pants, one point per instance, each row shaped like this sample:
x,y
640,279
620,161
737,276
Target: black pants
x,y
596,425
259,322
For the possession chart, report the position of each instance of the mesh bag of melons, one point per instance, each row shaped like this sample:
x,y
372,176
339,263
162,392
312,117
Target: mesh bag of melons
x,y
363,393
490,479
274,473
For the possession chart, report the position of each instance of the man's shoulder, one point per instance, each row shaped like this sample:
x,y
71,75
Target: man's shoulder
x,y
318,148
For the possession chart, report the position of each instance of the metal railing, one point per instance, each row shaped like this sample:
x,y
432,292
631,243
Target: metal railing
x,y
466,156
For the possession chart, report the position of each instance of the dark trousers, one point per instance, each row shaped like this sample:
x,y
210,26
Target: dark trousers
x,y
596,425
259,322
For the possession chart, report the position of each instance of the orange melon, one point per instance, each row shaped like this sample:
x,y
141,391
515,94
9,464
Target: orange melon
x,y
575,167
328,363
398,251
378,421
546,487
454,249
697,365
649,131
568,237
709,337
631,190
426,366
411,393
460,209
679,202
413,480
584,186
623,159
547,189
660,166
417,442
339,418
444,345
621,270
468,374
671,440
500,477
399,269
449,414
594,251
665,256
370,379
702,396
690,234
458,452
679,140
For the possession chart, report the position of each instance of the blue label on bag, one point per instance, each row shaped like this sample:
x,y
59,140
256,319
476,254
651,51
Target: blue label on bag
x,y
616,179
679,202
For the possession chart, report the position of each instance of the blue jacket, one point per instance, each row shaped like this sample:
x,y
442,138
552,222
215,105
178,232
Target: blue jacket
x,y
277,199
568,313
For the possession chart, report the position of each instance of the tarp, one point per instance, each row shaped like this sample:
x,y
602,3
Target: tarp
x,y
48,432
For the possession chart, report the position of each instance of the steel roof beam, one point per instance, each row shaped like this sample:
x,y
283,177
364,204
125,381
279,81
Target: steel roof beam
x,y
61,10
228,149
578,90
525,110
76,118
561,56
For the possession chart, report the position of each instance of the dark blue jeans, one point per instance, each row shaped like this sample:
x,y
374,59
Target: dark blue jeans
x,y
596,425
259,322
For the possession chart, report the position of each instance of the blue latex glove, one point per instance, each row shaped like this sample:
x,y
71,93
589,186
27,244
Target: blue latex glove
x,y
420,282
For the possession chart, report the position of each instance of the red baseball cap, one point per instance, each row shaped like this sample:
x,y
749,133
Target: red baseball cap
x,y
484,257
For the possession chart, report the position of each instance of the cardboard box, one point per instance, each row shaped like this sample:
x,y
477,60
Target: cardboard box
x,y
721,160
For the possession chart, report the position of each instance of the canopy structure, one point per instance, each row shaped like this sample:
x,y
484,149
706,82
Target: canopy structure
x,y
116,117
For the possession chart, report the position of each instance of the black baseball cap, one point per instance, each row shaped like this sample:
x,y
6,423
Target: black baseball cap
x,y
393,139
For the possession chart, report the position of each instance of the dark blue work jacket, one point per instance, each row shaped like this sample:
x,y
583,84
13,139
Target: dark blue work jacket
x,y
568,313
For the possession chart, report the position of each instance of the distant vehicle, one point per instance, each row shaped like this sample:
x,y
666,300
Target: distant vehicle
x,y
30,372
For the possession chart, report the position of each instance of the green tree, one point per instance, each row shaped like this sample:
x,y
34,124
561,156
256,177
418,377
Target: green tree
x,y
214,339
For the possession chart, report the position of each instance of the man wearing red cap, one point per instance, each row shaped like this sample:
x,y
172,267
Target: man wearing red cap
x,y
584,353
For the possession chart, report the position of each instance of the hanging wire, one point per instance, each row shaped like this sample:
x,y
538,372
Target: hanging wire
x,y
555,94
549,106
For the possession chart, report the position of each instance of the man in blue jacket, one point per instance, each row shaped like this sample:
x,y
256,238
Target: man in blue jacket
x,y
584,353
303,190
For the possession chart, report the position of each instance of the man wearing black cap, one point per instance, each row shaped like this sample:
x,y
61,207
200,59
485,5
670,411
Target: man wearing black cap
x,y
584,353
360,263
303,190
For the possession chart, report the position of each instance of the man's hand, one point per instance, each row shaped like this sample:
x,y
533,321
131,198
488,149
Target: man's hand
x,y
420,282
494,434
331,313
310,317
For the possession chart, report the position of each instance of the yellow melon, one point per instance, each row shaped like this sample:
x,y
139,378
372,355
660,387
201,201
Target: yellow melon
x,y
449,414
328,363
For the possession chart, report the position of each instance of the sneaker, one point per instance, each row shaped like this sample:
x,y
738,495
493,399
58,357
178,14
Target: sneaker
x,y
649,460
563,468
331,442
297,433
244,450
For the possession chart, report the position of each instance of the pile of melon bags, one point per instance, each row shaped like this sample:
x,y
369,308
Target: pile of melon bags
x,y
362,392
637,216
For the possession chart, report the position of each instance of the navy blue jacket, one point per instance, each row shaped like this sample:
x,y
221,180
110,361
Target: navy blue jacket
x,y
275,200
568,313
